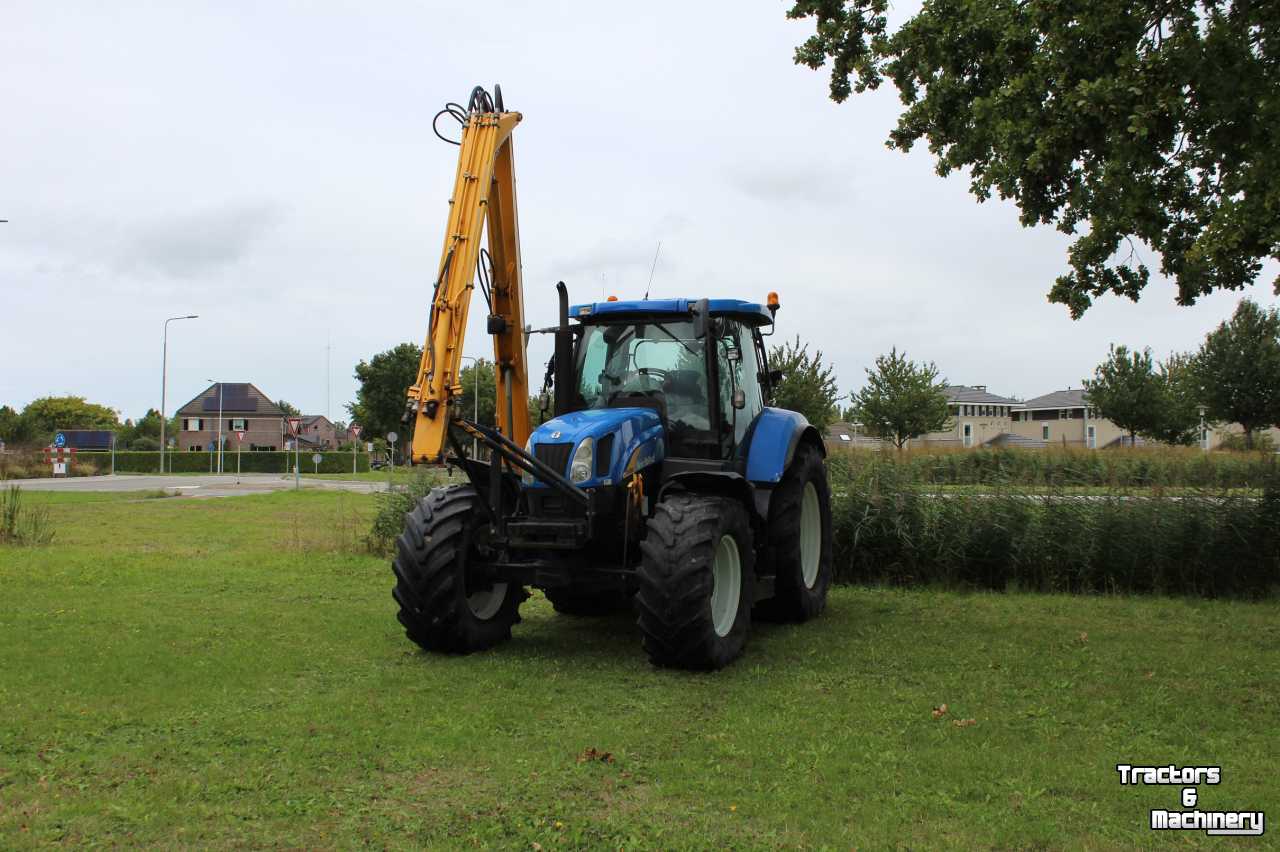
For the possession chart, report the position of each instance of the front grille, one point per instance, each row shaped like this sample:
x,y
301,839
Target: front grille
x,y
554,456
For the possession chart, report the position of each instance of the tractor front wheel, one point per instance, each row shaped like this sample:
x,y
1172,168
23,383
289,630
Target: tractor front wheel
x,y
800,540
697,582
444,605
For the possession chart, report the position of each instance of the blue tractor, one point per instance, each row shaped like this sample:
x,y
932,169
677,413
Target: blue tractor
x,y
664,482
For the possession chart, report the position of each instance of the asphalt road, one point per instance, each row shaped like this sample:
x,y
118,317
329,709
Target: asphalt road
x,y
211,485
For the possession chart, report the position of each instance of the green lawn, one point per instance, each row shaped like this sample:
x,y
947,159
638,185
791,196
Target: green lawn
x,y
186,672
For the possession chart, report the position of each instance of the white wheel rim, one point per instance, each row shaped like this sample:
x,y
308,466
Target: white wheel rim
x,y
726,585
810,535
485,603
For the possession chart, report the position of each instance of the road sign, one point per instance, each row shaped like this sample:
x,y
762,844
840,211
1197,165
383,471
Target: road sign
x,y
392,437
355,430
295,425
317,458
59,440
239,435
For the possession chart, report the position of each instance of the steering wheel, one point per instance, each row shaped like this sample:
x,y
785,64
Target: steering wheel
x,y
654,371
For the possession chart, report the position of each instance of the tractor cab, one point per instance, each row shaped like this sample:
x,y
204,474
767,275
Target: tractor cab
x,y
654,380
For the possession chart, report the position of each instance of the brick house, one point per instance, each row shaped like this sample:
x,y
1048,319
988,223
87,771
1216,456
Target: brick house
x,y
244,408
320,433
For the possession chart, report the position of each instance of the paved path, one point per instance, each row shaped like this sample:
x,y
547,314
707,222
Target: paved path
x,y
202,485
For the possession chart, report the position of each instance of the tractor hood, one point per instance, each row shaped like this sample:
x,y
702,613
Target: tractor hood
x,y
620,437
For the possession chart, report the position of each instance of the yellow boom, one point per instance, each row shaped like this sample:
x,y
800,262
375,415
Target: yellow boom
x,y
484,192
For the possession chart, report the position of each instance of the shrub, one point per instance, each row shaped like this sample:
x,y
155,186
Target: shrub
x,y
20,523
1234,442
388,520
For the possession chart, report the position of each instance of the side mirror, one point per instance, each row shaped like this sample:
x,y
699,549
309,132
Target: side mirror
x,y
739,399
701,317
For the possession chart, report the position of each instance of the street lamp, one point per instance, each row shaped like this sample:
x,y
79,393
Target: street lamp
x,y
219,424
1204,434
164,380
475,414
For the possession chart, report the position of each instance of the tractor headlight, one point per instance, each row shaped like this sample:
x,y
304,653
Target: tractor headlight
x,y
583,459
525,476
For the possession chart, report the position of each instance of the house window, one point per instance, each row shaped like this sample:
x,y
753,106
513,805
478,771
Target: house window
x,y
1091,438
239,424
1063,414
192,424
195,448
968,434
1044,432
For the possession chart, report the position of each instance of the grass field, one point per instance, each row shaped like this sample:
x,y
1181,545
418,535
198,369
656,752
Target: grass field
x,y
184,672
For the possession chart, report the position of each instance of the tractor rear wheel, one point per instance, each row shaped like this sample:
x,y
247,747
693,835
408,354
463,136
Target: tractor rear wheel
x,y
589,604
800,540
697,582
443,605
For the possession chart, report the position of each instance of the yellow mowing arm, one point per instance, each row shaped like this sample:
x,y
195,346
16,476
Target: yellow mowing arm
x,y
484,193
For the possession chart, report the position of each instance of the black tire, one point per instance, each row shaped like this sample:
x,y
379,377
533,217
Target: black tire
x,y
441,536
674,603
567,602
794,599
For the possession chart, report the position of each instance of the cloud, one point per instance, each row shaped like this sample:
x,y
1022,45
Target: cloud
x,y
808,183
192,244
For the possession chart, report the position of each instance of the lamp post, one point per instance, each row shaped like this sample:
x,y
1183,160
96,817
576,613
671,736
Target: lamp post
x,y
164,380
1204,433
475,394
219,424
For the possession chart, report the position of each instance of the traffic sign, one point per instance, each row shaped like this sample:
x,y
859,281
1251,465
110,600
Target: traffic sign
x,y
239,435
355,429
317,458
295,425
392,437
59,440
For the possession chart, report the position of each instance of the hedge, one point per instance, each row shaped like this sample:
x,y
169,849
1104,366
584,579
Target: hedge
x,y
890,527
255,461
1119,468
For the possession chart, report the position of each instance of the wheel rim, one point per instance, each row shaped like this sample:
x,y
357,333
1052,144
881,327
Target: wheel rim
x,y
485,603
810,535
726,588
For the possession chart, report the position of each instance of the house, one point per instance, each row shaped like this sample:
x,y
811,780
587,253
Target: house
x,y
244,409
978,417
320,433
1065,418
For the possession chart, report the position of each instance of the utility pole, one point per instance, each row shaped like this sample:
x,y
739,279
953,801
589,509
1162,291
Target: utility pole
x,y
219,424
164,380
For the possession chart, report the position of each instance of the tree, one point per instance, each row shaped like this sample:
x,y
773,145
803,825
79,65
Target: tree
x,y
901,399
1178,420
1125,390
13,430
1239,369
384,380
1152,121
808,386
42,417
488,392
288,409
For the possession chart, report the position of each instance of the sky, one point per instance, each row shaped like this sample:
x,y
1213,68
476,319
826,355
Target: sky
x,y
272,168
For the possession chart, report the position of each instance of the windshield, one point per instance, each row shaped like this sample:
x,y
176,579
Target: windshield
x,y
658,365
